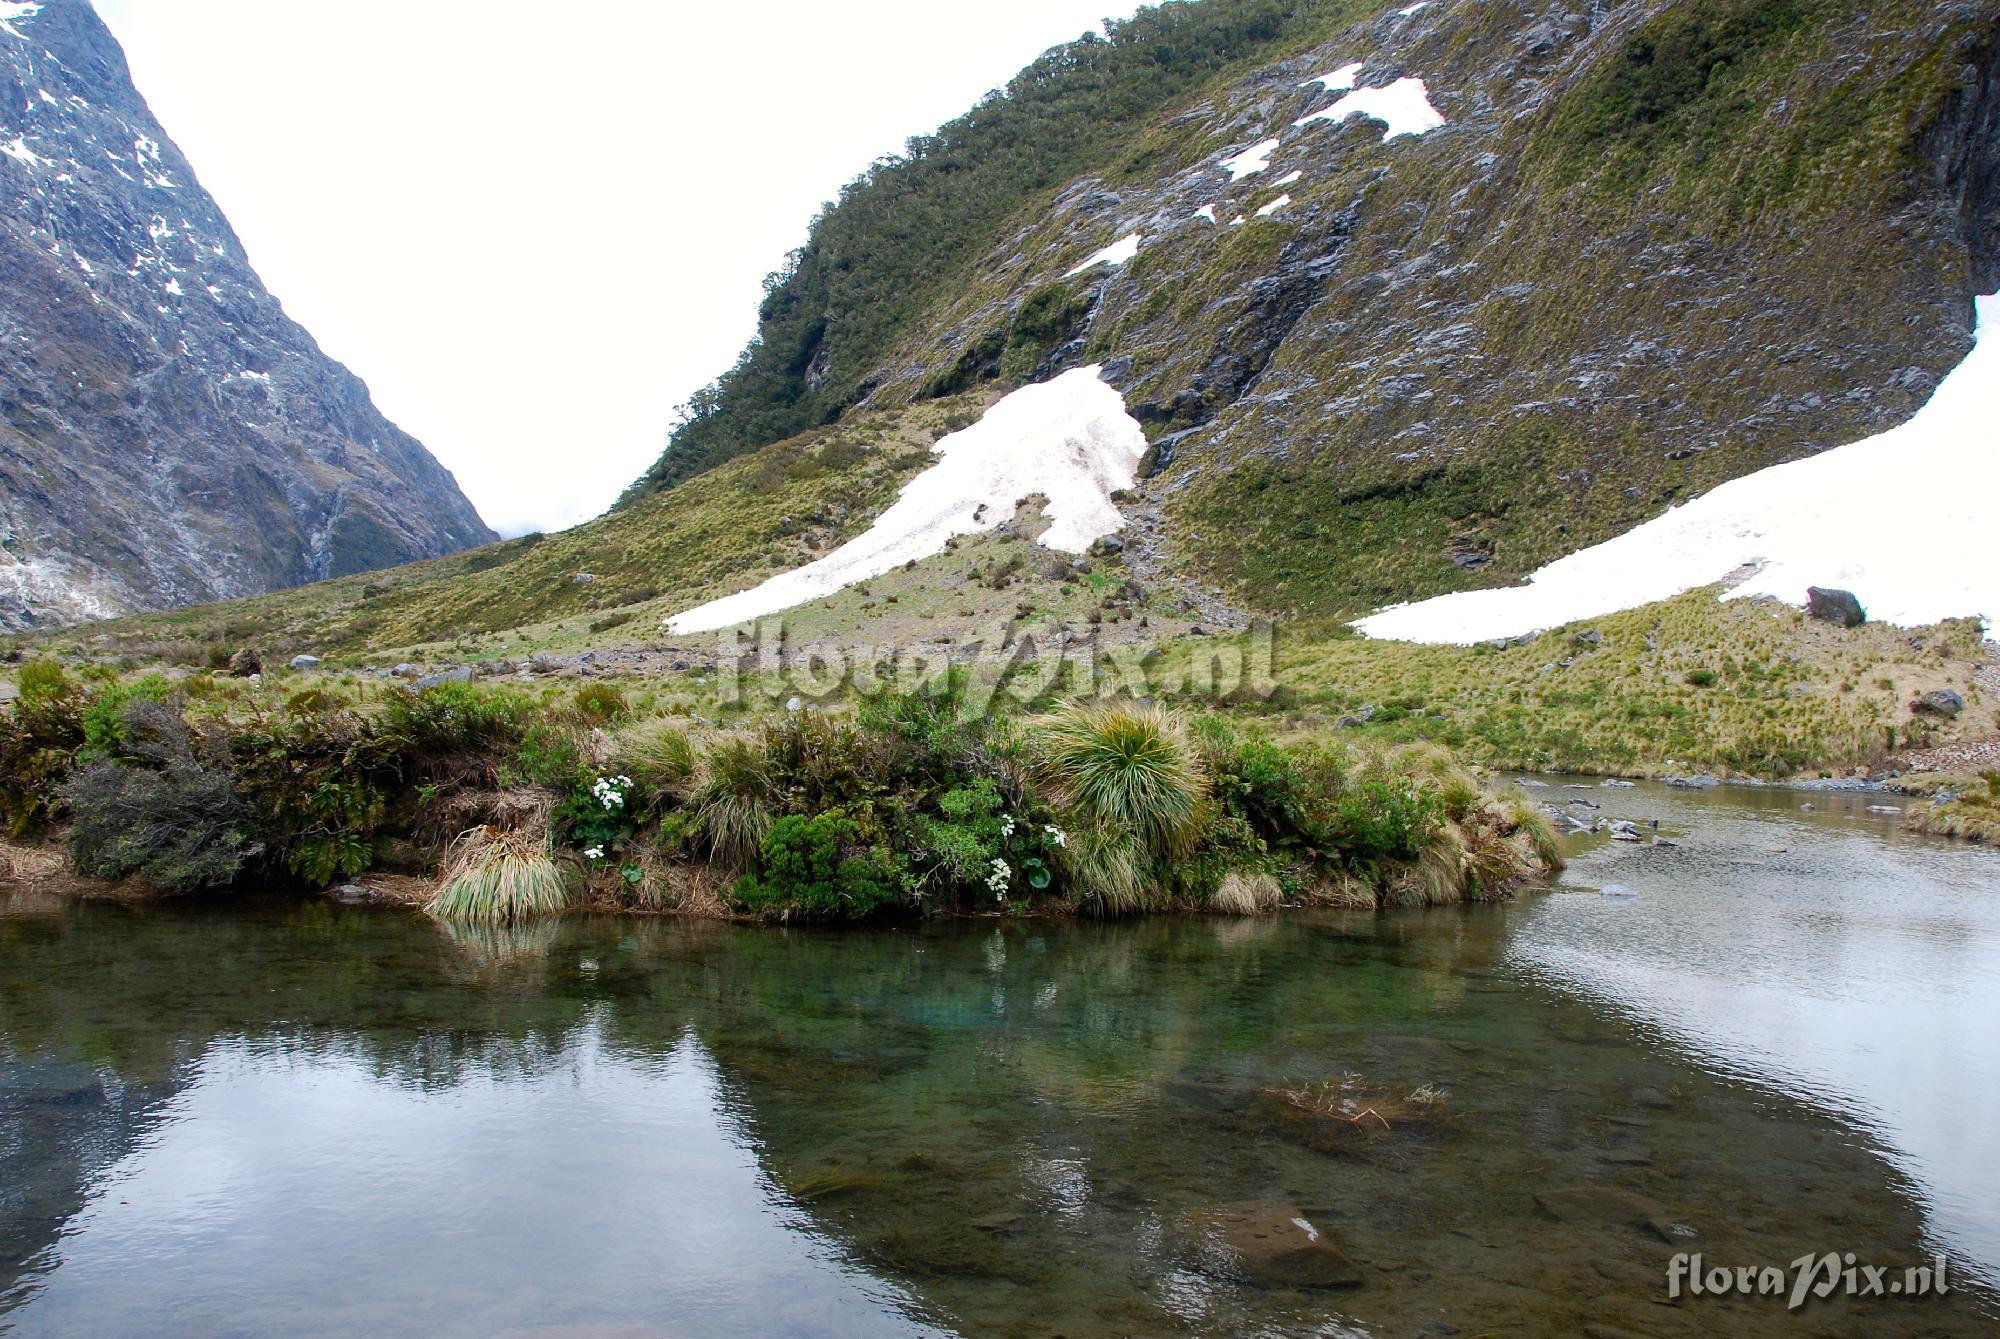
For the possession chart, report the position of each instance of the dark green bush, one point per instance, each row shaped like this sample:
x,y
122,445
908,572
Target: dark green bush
x,y
457,718
163,815
178,828
823,868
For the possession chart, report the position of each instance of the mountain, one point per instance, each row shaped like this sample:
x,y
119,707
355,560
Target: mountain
x,y
1414,299
1405,300
167,435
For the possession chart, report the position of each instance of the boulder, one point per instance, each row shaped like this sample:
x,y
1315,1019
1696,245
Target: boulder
x,y
430,681
1943,702
305,662
1267,1245
408,671
1835,606
1587,640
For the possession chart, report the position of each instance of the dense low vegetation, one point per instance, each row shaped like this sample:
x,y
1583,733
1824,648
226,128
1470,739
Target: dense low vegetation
x,y
913,804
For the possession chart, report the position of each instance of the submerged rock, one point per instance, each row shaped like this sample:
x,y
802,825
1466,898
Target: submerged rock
x,y
1611,1206
1268,1245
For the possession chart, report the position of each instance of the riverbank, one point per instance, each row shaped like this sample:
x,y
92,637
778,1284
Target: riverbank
x,y
514,802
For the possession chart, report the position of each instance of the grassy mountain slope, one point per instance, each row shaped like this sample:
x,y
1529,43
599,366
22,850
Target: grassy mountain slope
x,y
1652,249
902,238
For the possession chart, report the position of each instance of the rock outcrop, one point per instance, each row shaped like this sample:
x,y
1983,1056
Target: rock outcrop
x,y
167,434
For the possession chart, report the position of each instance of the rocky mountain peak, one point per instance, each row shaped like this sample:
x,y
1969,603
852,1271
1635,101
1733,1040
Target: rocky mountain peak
x,y
167,434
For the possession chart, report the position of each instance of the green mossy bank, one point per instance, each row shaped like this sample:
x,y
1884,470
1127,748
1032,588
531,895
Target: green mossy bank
x,y
512,803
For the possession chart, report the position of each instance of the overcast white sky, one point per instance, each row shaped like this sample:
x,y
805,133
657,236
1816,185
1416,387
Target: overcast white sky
x,y
534,228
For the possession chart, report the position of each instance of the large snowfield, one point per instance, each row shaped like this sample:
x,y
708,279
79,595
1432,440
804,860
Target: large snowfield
x,y
1069,439
1903,519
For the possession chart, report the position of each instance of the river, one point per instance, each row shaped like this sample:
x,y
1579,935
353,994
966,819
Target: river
x,y
277,1118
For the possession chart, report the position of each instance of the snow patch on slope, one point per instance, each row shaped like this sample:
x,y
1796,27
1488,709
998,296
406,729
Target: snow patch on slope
x,y
18,150
10,11
1814,522
1251,161
1404,107
1118,253
1069,439
1337,81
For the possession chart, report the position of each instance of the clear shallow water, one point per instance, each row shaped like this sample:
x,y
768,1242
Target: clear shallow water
x,y
1823,951
303,1120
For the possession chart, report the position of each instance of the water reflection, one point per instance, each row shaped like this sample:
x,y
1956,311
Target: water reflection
x,y
320,1121
1821,951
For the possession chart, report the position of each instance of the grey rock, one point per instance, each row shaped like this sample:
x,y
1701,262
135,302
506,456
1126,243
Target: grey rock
x,y
1835,606
305,662
462,675
407,671
1942,702
1588,639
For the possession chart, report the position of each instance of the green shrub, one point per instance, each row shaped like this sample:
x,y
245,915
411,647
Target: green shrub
x,y
336,839
456,718
823,868
550,755
1378,821
39,740
959,846
104,718
1702,678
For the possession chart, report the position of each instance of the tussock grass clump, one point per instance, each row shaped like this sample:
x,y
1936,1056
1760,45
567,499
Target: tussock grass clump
x,y
1108,872
1973,818
1248,893
499,878
658,754
732,801
1127,769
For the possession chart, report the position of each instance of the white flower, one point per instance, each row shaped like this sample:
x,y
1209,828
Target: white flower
x,y
594,853
1007,827
1057,837
1000,878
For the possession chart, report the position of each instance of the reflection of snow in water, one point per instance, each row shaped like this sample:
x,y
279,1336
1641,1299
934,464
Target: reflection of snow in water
x,y
1855,972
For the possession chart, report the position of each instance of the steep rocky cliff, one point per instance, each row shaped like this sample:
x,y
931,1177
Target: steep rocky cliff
x,y
167,434
1416,298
